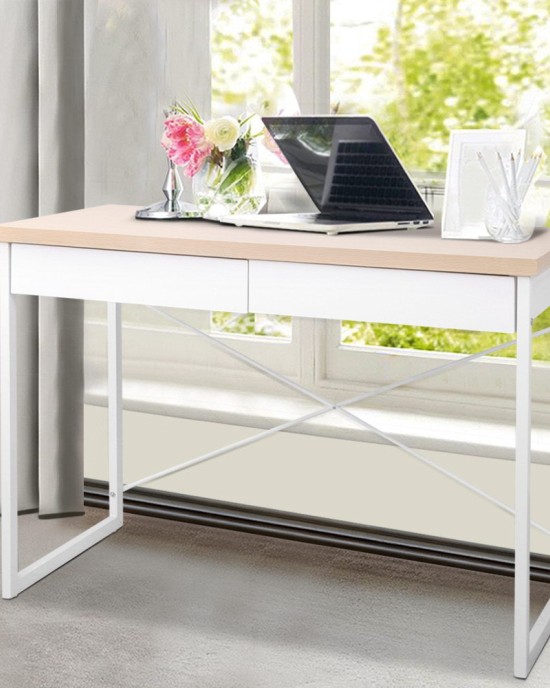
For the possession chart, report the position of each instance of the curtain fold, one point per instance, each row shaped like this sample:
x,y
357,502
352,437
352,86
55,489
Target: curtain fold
x,y
83,84
41,172
61,407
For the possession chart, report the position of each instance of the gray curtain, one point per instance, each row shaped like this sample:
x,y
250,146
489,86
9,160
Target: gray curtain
x,y
41,172
83,84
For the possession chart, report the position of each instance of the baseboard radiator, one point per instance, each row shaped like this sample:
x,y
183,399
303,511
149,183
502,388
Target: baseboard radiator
x,y
387,542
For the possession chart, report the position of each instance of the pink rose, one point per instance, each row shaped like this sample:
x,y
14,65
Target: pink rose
x,y
185,143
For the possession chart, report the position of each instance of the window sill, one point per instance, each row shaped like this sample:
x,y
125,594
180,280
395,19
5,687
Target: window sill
x,y
486,438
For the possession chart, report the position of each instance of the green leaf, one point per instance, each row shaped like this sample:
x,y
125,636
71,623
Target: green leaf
x,y
239,174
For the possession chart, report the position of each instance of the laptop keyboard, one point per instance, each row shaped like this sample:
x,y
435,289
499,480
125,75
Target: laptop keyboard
x,y
366,174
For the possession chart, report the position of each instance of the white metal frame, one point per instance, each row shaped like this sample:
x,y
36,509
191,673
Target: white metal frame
x,y
531,297
528,641
14,580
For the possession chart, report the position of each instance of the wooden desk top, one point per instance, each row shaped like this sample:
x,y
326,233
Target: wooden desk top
x,y
114,227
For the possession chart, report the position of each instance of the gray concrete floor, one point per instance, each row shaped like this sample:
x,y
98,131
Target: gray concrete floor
x,y
163,604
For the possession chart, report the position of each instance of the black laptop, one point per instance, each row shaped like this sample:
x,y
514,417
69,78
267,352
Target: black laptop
x,y
351,173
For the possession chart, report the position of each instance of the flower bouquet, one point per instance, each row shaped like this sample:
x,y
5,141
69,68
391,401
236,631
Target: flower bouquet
x,y
221,157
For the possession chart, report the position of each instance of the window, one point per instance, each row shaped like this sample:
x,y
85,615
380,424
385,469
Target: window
x,y
421,69
156,348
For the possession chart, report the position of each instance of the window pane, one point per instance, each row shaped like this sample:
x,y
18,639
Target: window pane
x,y
251,52
433,339
424,68
255,324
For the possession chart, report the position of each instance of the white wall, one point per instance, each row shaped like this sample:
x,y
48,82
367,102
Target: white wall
x,y
340,479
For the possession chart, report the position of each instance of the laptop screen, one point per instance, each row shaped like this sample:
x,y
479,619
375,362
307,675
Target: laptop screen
x,y
347,167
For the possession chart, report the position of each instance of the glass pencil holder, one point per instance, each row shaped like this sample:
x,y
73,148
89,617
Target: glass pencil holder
x,y
508,224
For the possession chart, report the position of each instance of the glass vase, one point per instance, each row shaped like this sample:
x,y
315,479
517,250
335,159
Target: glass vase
x,y
235,186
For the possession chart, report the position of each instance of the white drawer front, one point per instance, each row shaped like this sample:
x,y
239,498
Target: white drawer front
x,y
435,299
125,277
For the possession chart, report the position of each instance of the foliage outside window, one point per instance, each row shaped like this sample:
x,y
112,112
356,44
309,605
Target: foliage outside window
x,y
251,52
424,68
361,334
256,324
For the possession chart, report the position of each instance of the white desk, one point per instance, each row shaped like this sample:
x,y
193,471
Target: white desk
x,y
104,254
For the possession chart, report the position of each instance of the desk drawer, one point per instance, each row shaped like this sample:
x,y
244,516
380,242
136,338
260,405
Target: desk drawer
x,y
435,299
143,278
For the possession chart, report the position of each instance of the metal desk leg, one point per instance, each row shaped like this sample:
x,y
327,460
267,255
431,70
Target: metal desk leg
x,y
13,580
114,358
528,642
8,426
522,665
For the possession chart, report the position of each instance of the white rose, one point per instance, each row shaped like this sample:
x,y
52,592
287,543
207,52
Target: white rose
x,y
222,132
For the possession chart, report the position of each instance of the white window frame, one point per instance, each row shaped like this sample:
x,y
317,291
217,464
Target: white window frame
x,y
156,349
477,390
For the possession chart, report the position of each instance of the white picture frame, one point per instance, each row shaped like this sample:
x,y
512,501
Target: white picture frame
x,y
466,183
